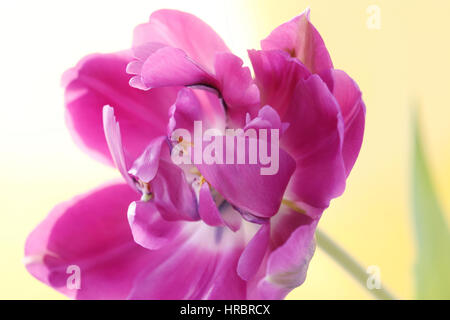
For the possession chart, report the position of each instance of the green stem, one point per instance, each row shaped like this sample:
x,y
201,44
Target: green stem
x,y
349,264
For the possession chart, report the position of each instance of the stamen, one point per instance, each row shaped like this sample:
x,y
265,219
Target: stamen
x,y
195,171
145,188
146,197
292,205
183,146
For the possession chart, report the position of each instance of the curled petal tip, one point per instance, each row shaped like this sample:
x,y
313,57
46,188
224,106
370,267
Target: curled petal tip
x,y
307,13
136,82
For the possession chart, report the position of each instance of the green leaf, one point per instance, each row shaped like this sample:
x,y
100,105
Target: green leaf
x,y
432,235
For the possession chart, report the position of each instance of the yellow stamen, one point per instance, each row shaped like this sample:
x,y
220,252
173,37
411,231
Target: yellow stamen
x,y
292,205
146,197
145,187
195,171
146,190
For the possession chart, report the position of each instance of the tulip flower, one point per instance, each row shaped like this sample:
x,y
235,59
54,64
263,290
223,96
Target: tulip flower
x,y
214,229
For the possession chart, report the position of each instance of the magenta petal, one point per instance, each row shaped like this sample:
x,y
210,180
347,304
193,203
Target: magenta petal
x,y
277,75
91,232
172,67
172,194
314,139
210,213
287,264
146,166
231,218
207,208
114,141
196,105
233,181
184,31
167,184
100,80
141,53
353,110
267,118
149,229
184,112
301,40
237,88
254,252
200,265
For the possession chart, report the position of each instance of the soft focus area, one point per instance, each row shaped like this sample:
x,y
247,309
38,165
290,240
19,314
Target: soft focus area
x,y
404,61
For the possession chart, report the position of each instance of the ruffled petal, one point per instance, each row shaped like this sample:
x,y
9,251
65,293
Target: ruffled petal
x,y
245,185
145,167
90,232
173,195
314,139
301,40
232,82
237,88
267,118
167,67
196,105
353,111
198,262
254,252
213,213
114,142
100,80
277,75
292,247
164,182
207,208
199,266
184,31
149,229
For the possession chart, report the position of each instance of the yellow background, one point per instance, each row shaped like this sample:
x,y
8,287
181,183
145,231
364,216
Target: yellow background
x,y
406,60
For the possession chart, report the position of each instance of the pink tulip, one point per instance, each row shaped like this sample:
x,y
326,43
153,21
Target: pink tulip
x,y
200,231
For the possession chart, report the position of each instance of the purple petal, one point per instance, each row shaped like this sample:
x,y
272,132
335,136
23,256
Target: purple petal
x,y
149,229
196,105
91,232
353,110
173,195
100,80
301,40
184,31
114,141
207,208
216,215
243,185
168,67
267,118
314,139
237,88
254,252
200,266
277,75
231,218
167,184
291,248
145,167
288,264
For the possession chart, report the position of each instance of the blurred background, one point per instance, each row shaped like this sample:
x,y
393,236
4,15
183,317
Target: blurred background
x,y
401,58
